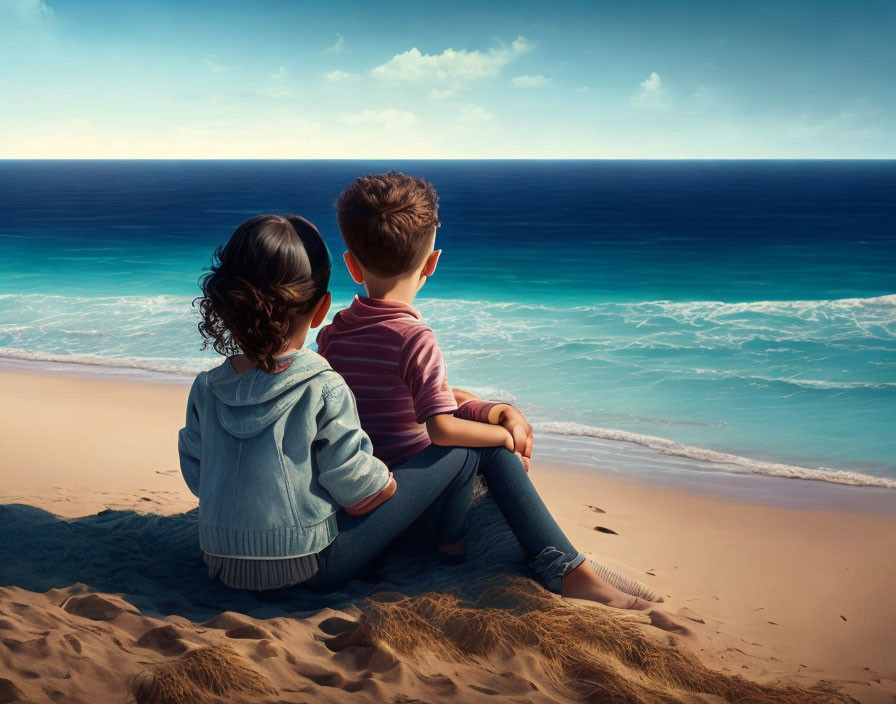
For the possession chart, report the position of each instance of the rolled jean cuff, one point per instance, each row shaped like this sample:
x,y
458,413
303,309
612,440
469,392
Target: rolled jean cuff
x,y
551,564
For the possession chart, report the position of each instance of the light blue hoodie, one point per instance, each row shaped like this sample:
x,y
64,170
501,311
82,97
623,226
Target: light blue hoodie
x,y
273,456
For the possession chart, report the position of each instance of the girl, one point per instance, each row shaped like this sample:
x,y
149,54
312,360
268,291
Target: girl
x,y
289,491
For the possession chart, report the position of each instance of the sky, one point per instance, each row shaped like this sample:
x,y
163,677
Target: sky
x,y
354,80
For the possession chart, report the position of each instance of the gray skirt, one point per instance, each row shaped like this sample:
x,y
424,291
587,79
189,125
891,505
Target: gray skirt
x,y
260,575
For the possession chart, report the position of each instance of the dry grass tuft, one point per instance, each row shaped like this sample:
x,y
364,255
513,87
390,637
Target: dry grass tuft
x,y
590,654
191,679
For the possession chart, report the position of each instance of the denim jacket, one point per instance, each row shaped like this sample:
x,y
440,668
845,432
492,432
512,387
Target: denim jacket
x,y
273,456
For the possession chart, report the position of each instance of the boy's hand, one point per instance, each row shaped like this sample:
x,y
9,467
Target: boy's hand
x,y
515,423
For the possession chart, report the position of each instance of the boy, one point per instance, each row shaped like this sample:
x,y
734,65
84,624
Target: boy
x,y
392,363
380,345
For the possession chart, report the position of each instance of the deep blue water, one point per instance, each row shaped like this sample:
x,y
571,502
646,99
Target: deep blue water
x,y
742,307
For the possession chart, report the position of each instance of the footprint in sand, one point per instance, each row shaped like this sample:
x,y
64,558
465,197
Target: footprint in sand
x,y
595,508
94,607
335,625
73,642
227,621
691,615
167,640
347,639
250,632
10,693
602,529
664,621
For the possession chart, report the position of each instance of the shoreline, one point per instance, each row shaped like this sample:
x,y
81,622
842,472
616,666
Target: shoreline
x,y
643,465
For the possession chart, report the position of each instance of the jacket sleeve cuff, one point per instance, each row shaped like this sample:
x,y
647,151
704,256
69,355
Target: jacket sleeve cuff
x,y
365,504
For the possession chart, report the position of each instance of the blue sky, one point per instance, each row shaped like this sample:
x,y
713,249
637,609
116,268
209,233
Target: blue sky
x,y
265,79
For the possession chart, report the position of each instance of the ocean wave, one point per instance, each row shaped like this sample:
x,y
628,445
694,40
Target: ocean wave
x,y
491,394
821,384
186,368
734,462
688,309
170,366
86,333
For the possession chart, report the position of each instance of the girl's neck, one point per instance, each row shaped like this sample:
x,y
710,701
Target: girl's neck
x,y
241,363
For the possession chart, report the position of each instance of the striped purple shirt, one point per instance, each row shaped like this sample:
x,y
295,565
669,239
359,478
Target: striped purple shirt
x,y
392,363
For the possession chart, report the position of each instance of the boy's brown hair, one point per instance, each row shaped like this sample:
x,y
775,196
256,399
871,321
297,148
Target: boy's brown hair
x,y
387,221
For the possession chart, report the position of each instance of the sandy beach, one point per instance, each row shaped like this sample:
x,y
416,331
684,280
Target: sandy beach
x,y
775,594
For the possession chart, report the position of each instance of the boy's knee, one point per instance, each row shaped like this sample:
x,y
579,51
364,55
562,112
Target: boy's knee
x,y
499,458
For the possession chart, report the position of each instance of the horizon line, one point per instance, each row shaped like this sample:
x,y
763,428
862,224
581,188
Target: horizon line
x,y
453,158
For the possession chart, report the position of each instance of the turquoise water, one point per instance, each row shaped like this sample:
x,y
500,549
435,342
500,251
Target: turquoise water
x,y
745,308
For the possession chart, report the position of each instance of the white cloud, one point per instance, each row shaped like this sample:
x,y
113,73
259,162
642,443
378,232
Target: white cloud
x,y
390,118
338,47
339,75
474,113
583,89
652,92
211,62
282,73
29,9
439,94
452,68
277,91
538,81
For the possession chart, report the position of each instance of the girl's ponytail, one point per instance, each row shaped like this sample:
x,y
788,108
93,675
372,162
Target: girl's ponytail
x,y
272,271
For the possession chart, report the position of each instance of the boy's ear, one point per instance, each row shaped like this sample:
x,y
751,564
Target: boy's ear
x,y
323,307
354,269
429,268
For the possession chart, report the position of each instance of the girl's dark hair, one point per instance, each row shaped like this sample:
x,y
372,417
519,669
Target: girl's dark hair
x,y
272,271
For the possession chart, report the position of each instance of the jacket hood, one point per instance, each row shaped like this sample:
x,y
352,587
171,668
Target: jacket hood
x,y
248,403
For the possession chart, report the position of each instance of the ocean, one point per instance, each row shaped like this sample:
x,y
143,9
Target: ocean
x,y
728,316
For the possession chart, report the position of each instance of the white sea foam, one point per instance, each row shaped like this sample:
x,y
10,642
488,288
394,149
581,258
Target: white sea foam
x,y
550,353
170,366
885,306
802,383
733,462
492,394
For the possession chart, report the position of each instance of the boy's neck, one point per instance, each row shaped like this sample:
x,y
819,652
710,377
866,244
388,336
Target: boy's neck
x,y
403,289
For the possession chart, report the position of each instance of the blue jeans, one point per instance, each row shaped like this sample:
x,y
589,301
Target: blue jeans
x,y
437,485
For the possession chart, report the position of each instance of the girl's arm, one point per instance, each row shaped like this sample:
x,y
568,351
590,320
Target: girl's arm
x,y
347,468
189,444
371,502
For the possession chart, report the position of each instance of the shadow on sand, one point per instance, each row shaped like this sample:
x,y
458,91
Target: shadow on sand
x,y
155,563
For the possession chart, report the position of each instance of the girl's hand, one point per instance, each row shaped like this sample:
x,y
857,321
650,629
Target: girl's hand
x,y
371,502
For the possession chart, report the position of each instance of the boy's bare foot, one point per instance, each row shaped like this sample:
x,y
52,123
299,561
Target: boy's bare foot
x,y
582,583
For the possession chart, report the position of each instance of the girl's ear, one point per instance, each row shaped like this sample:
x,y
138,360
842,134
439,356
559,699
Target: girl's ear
x,y
323,307
431,262
353,267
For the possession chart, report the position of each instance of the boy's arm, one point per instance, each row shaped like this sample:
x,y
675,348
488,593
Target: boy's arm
x,y
514,422
422,368
189,445
447,430
470,407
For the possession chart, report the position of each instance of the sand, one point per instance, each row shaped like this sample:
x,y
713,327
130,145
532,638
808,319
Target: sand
x,y
775,594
